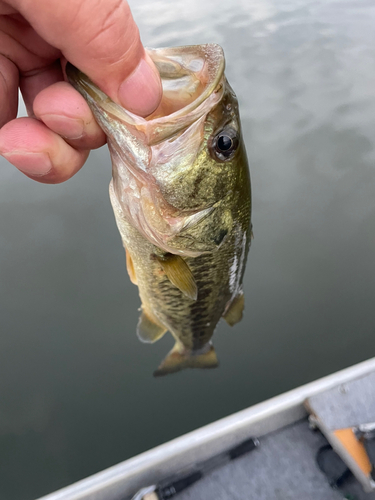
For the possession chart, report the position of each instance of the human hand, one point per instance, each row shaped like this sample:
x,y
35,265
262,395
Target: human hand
x,y
101,39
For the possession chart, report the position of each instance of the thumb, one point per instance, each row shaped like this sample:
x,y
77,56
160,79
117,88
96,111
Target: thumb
x,y
101,38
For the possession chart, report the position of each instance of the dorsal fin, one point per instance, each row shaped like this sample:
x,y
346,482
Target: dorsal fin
x,y
179,359
234,312
179,274
148,329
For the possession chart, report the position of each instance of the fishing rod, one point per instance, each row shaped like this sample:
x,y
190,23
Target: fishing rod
x,y
170,487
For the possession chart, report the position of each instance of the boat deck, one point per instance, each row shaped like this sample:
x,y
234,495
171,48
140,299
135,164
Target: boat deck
x,y
283,467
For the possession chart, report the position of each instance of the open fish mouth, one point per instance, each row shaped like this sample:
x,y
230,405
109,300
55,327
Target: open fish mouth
x,y
189,76
143,150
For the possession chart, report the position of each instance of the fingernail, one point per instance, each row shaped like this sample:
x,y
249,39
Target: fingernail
x,y
141,92
70,128
30,163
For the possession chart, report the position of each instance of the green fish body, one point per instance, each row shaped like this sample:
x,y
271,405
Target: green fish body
x,y
181,196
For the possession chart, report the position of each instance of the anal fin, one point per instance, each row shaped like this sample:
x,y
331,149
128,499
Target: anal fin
x,y
234,312
179,274
148,329
179,359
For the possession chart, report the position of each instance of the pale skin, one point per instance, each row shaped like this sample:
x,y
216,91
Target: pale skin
x,y
101,38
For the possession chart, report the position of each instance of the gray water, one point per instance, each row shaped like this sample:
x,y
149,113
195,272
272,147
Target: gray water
x,y
76,387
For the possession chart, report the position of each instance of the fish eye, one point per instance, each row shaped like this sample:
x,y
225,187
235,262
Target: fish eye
x,y
225,144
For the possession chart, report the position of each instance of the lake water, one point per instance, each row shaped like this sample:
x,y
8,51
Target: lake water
x,y
76,387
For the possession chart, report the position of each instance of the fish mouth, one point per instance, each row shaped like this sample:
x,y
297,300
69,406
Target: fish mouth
x,y
192,80
144,148
189,75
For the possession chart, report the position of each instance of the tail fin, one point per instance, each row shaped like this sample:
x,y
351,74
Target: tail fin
x,y
178,359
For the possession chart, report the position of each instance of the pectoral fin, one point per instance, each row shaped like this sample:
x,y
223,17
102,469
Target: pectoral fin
x,y
179,359
235,311
179,274
148,329
130,268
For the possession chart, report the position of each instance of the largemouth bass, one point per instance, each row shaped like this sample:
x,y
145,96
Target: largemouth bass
x,y
181,196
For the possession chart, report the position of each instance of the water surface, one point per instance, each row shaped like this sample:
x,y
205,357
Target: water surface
x,y
76,391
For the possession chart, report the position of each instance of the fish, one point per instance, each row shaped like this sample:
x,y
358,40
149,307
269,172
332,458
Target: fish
x,y
181,196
